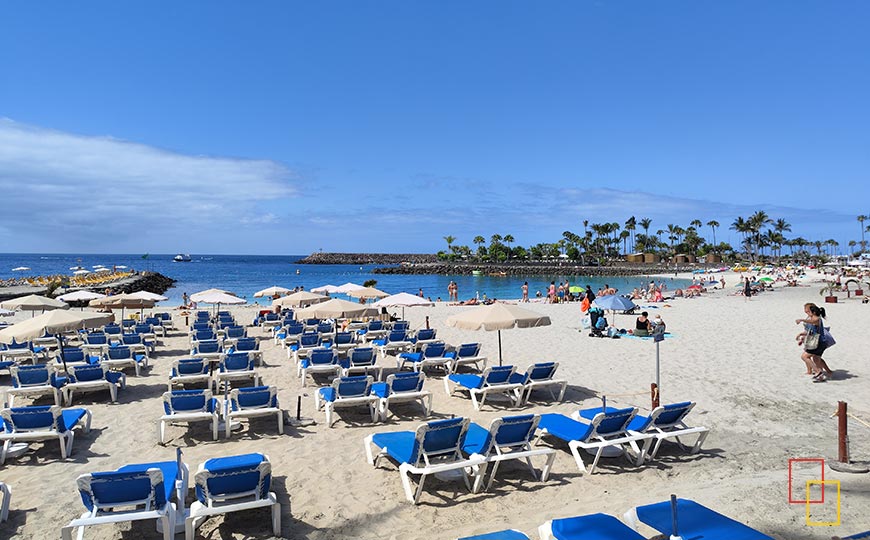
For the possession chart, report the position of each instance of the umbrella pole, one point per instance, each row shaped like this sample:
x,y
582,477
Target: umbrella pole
x,y
60,351
658,372
499,347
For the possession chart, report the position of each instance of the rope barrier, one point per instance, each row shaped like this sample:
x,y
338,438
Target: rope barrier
x,y
857,419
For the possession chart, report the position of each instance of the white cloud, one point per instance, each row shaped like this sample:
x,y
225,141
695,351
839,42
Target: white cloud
x,y
55,183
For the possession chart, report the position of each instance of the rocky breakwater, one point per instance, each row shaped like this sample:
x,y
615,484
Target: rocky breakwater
x,y
368,258
143,281
528,269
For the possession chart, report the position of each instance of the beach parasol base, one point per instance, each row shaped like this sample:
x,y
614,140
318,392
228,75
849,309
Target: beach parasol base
x,y
608,452
450,476
17,450
854,467
300,422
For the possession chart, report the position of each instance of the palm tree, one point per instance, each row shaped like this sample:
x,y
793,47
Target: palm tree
x,y
713,224
624,236
852,245
672,234
508,239
631,225
480,241
645,223
740,225
861,220
696,223
450,239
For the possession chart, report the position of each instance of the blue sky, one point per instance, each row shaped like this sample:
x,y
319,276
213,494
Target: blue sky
x,y
286,127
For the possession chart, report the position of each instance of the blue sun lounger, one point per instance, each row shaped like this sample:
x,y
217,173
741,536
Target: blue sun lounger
x,y
666,422
694,522
590,527
435,447
494,379
39,423
859,536
109,496
507,534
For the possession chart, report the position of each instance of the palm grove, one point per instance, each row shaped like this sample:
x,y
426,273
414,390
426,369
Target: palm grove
x,y
761,237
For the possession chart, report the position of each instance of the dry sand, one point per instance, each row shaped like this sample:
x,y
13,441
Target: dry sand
x,y
738,360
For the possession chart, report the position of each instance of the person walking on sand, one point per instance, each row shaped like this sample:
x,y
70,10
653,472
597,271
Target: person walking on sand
x,y
812,357
525,289
747,290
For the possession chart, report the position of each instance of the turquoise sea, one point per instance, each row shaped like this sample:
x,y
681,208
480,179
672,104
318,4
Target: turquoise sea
x,y
246,274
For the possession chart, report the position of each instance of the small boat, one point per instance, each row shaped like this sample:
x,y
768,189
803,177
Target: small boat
x,y
298,272
182,257
477,272
21,269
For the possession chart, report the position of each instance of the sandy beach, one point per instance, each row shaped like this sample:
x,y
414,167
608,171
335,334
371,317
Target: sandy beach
x,y
737,359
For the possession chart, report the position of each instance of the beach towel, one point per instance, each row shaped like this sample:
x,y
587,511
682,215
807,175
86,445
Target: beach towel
x,y
668,335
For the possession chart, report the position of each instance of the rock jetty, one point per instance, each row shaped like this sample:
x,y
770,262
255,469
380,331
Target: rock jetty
x,y
530,269
141,281
368,258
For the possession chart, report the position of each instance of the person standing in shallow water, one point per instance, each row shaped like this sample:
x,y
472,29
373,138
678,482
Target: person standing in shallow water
x,y
525,289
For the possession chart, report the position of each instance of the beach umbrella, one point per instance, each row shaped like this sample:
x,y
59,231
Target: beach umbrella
x,y
76,268
122,301
694,287
121,267
330,289
766,279
148,296
497,316
195,297
301,298
21,269
614,302
103,269
272,291
54,322
576,289
402,300
337,309
34,302
81,272
80,296
347,287
367,292
6,313
218,298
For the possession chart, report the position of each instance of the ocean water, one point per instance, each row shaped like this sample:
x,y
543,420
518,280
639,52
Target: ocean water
x,y
246,274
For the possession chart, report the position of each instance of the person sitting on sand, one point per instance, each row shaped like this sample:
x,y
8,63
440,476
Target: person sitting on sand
x,y
642,325
635,294
678,293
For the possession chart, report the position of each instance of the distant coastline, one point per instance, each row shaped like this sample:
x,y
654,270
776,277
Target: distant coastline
x,y
423,264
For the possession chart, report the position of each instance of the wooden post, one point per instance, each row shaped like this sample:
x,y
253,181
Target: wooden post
x,y
427,322
654,394
843,421
298,407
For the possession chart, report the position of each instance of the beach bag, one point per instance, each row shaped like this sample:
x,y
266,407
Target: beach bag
x,y
827,339
584,305
601,323
586,322
811,341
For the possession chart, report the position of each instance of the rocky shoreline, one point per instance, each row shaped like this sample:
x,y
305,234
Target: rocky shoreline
x,y
143,281
530,269
368,258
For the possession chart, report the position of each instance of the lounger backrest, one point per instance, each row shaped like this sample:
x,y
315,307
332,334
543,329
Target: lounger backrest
x,y
88,373
495,375
309,339
37,375
468,350
164,316
255,397
362,356
143,329
33,418
343,338
127,323
671,415
295,329
357,386
119,353
439,438
153,321
72,354
235,332
208,346
131,339
15,346
542,371
197,326
271,317
247,344
322,357
204,335
112,329
514,430
612,423
325,328
401,326
376,325
188,401
240,361
406,381
234,477
191,366
96,339
434,350
426,333
111,489
311,322
396,335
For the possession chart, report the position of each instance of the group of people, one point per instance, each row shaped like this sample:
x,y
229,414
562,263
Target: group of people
x,y
452,292
814,338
